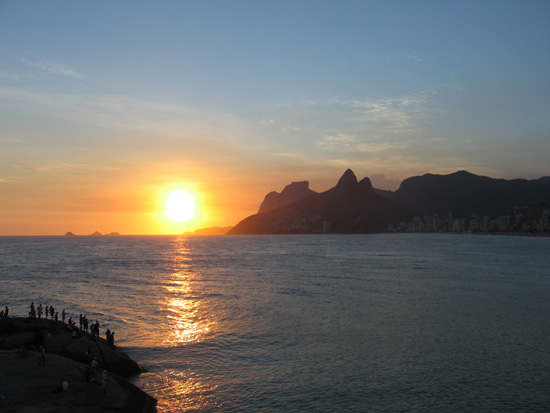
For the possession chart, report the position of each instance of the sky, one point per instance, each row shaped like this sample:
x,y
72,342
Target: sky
x,y
108,106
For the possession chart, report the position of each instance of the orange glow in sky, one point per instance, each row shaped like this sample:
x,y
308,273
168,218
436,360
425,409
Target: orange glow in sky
x,y
98,128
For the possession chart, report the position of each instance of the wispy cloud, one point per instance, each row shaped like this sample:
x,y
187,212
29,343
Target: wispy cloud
x,y
54,68
414,56
337,143
9,75
367,131
401,116
378,119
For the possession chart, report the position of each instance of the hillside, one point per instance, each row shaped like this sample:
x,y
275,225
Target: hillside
x,y
465,194
349,207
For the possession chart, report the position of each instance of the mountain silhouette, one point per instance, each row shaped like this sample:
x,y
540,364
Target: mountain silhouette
x,y
466,194
290,194
349,207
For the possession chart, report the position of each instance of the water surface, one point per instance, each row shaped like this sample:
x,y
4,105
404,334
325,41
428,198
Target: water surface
x,y
385,323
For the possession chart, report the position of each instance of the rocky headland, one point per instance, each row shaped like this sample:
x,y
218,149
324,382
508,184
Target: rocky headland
x,y
27,385
352,206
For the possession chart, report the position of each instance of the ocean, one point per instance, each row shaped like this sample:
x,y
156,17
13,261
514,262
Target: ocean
x,y
308,323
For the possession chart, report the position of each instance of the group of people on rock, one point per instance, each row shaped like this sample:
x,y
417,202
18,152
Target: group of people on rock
x,y
110,336
83,323
4,313
50,310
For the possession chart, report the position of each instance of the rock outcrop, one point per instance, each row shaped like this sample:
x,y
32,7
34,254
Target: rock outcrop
x,y
290,194
27,386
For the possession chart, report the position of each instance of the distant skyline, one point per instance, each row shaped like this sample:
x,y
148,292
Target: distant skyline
x,y
107,107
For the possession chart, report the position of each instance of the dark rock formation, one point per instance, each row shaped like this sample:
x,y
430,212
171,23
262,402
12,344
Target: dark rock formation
x,y
465,194
58,338
112,358
290,194
27,386
349,207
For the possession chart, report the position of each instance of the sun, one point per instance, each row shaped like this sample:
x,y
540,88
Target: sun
x,y
180,205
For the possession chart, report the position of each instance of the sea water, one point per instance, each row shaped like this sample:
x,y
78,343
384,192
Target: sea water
x,y
323,323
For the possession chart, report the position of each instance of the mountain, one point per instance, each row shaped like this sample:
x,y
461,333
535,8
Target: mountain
x,y
545,180
291,193
465,194
349,207
212,231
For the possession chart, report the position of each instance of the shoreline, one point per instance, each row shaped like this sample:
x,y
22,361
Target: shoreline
x,y
26,382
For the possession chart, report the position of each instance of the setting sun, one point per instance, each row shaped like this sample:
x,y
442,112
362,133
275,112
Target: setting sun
x,y
180,206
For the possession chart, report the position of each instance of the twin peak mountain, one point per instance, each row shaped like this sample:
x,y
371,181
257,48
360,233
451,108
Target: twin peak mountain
x,y
354,206
350,206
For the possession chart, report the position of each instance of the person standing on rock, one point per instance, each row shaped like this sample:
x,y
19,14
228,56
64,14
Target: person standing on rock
x,y
63,315
47,311
39,311
32,313
42,359
104,381
52,311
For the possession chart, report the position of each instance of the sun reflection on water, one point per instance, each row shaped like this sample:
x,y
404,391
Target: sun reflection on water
x,y
188,324
183,302
187,393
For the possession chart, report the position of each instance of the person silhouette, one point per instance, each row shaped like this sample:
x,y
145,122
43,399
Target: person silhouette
x,y
104,381
42,358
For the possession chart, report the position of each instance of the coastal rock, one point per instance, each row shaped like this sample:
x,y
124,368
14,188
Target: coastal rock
x,y
113,359
17,340
27,386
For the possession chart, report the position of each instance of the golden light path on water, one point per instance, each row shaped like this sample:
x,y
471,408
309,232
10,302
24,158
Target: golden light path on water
x,y
188,325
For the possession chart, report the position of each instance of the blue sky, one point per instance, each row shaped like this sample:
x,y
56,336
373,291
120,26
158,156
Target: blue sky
x,y
115,98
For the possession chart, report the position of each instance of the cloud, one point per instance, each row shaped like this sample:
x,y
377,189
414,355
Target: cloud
x,y
268,122
415,57
9,75
381,117
369,132
54,68
382,181
371,125
337,143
